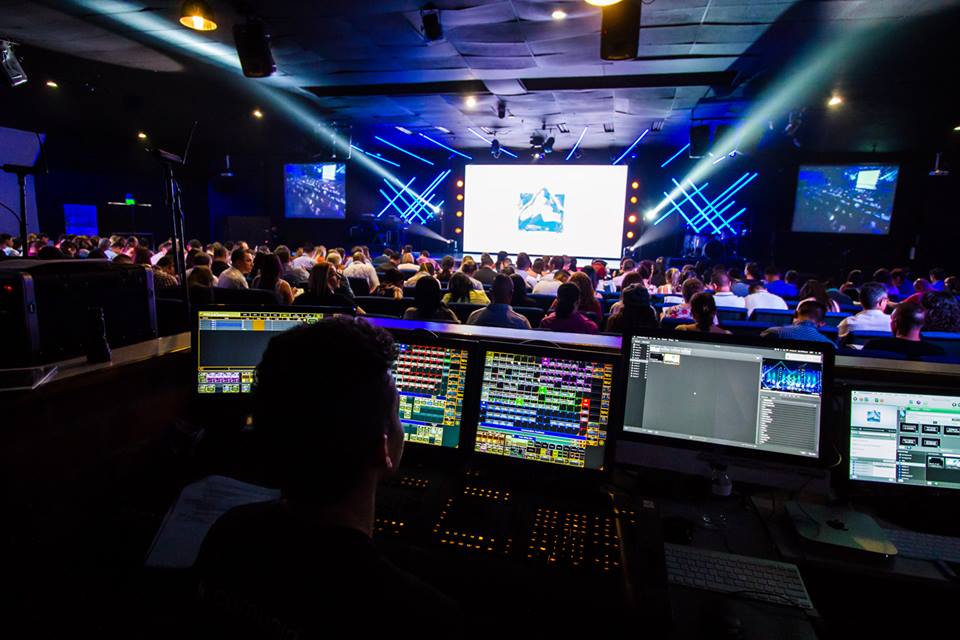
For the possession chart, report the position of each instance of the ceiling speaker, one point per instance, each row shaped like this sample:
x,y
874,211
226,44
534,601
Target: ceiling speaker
x,y
699,140
620,30
253,47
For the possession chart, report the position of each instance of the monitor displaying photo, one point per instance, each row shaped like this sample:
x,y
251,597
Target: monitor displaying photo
x,y
315,190
854,198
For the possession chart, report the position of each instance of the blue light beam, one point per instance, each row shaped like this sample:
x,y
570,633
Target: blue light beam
x,y
630,148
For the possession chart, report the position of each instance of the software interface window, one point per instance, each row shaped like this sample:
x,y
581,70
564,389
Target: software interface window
x,y
761,398
912,439
230,345
430,381
543,408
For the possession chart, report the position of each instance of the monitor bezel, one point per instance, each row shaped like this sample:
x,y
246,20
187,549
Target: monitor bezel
x,y
849,487
614,425
722,453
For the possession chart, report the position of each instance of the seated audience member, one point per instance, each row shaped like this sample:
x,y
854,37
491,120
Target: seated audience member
x,y
360,269
121,258
269,278
408,266
503,260
550,286
200,277
427,270
588,296
384,260
523,268
901,280
722,296
691,287
631,279
599,268
752,275
425,258
324,289
807,319
942,312
703,309
906,323
814,290
952,285
567,317
295,275
391,285
778,287
854,279
937,277
468,267
535,272
920,287
306,562
165,274
520,297
309,257
840,297
429,303
219,264
486,274
499,312
672,285
447,266
461,290
635,311
873,298
49,252
626,266
236,276
760,298
883,277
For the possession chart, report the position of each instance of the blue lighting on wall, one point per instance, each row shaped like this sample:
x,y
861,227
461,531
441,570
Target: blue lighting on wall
x,y
708,215
440,144
411,206
402,150
630,148
675,156
375,156
579,140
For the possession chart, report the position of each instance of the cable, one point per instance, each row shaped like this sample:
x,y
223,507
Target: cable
x,y
15,214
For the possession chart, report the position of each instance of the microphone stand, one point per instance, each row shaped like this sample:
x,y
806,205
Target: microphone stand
x,y
21,172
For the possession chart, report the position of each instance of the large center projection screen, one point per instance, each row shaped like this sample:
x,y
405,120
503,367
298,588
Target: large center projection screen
x,y
545,210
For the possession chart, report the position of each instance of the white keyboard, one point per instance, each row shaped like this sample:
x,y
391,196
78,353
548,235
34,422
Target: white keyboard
x,y
924,546
776,582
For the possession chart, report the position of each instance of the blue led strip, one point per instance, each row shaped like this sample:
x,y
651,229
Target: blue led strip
x,y
697,207
717,215
675,156
405,187
375,156
630,148
502,148
579,140
440,144
402,150
680,211
417,205
736,186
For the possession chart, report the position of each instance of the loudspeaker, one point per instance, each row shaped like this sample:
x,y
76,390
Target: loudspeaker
x,y
10,66
430,20
699,140
620,30
253,47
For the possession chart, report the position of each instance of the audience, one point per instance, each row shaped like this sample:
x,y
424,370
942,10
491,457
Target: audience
x,y
550,286
942,311
635,311
324,289
690,288
408,266
807,320
567,317
486,274
447,265
429,303
722,296
814,290
391,284
906,323
703,309
269,278
873,298
241,263
462,290
199,277
760,298
499,313
520,297
359,269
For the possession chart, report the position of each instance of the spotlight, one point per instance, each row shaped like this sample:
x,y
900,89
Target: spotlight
x,y
459,184
630,235
253,49
548,145
141,135
501,109
650,215
458,231
602,3
470,102
258,114
197,15
835,100
10,66
957,128
460,197
634,185
620,30
430,25
52,84
558,14
459,214
495,148
632,218
633,199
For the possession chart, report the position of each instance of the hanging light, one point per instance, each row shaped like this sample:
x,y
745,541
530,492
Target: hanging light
x,y
197,15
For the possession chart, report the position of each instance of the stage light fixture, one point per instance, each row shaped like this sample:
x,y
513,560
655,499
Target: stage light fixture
x,y
470,102
430,25
558,14
142,136
459,214
632,218
258,114
602,3
460,197
548,145
650,215
630,235
633,199
495,148
10,66
835,100
634,185
253,49
197,15
52,84
404,130
957,128
620,30
459,184
458,231
501,109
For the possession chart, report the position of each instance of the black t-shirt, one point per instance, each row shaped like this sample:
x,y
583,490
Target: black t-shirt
x,y
485,275
266,572
908,348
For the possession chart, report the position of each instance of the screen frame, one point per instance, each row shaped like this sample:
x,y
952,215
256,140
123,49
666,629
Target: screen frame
x,y
614,423
283,190
722,453
848,163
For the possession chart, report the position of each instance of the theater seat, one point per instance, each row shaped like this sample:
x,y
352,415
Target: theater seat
x,y
949,342
171,317
543,301
673,323
463,309
731,313
744,327
388,307
533,314
359,286
834,319
863,337
772,317
254,297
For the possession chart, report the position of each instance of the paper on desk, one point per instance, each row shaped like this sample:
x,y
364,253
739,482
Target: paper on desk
x,y
177,543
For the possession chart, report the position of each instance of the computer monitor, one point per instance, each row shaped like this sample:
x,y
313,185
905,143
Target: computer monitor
x,y
726,394
905,438
431,378
230,343
546,405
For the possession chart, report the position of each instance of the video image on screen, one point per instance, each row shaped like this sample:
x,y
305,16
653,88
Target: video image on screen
x,y
793,377
430,380
315,190
845,199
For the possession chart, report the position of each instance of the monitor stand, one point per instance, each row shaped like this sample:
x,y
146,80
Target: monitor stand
x,y
839,527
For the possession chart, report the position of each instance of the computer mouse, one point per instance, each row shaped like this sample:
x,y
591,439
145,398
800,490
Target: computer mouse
x,y
677,530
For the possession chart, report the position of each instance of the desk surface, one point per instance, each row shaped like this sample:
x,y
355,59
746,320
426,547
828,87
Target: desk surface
x,y
124,356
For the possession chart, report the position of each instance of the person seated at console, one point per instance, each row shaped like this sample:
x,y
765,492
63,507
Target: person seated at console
x,y
463,291
241,263
906,323
325,289
305,565
430,306
499,313
873,298
691,287
634,312
703,308
807,320
722,295
567,317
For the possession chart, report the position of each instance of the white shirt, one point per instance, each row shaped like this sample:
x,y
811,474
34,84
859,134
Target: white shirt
x,y
155,258
763,300
365,271
408,268
728,299
232,279
869,320
304,262
547,287
618,281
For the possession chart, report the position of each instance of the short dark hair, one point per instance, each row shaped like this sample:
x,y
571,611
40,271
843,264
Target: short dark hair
x,y
237,255
907,317
753,271
703,308
502,290
690,288
871,293
325,461
771,270
556,263
813,310
938,273
201,260
486,260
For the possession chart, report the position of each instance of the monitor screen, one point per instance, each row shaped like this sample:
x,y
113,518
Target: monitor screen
x,y
845,198
548,408
430,379
315,190
230,345
905,438
81,219
765,398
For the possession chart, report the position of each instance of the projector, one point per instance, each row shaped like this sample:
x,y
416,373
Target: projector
x,y
937,172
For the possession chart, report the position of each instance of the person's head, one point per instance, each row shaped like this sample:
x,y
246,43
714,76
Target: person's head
x,y
523,261
201,260
6,241
219,252
690,288
757,286
270,271
810,311
324,279
703,308
460,287
771,273
630,279
943,311
568,299
519,290
408,248
447,263
720,281
815,289
486,262
424,253
428,268
362,440
241,260
883,277
583,282
907,321
855,277
672,278
556,263
537,266
141,256
334,259
921,285
428,296
502,290
201,277
937,274
873,295
392,277
753,271
627,265
562,275
49,252
468,266
167,264
791,277
121,258
69,249
358,257
952,284
898,276
195,244
406,258
283,253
